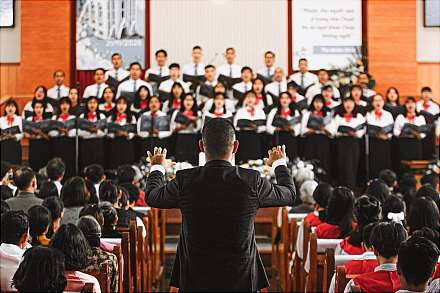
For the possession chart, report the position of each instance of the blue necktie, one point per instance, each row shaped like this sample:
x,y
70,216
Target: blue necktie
x,y
302,80
230,70
134,86
97,90
58,92
195,69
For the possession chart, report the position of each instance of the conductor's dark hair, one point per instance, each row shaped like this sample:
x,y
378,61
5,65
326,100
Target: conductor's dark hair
x,y
71,241
430,178
54,205
14,224
429,191
389,177
366,234
426,89
23,177
340,210
423,213
367,210
94,173
94,211
269,52
41,270
11,102
126,174
99,69
174,65
74,193
39,221
218,136
321,195
386,238
55,169
417,259
197,47
108,191
161,51
135,64
378,189
116,54
48,189
244,68
429,234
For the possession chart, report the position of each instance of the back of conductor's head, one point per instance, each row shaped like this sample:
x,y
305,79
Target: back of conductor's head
x,y
218,140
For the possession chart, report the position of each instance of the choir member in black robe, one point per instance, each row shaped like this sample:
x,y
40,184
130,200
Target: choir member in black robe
x,y
11,133
174,100
229,103
185,124
76,107
349,127
263,100
107,102
140,103
121,129
380,125
315,128
40,94
429,110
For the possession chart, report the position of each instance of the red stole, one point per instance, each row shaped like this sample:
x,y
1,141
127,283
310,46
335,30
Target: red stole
x,y
10,120
410,118
313,219
143,104
120,117
328,231
91,116
176,103
285,113
378,115
64,117
380,281
348,117
349,248
358,267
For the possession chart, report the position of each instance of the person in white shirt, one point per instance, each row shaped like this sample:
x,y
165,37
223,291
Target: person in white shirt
x,y
131,85
165,86
364,82
229,103
107,102
279,85
155,75
96,89
11,133
426,104
40,94
218,109
330,101
229,69
241,88
118,73
303,78
268,70
205,91
15,235
323,80
59,90
299,100
56,169
196,67
263,100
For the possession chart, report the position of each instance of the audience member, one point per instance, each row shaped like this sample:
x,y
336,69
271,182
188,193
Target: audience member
x,y
110,220
26,183
321,195
429,191
56,209
306,195
39,222
379,189
48,189
394,209
56,169
75,196
390,178
423,213
95,173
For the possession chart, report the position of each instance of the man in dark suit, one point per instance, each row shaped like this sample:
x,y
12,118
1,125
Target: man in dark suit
x,y
217,249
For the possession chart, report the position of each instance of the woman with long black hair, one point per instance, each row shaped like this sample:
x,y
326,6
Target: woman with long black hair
x,y
218,109
140,103
176,96
107,102
11,133
40,94
392,102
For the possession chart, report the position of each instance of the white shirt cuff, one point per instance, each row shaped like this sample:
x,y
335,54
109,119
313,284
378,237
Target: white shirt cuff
x,y
279,162
159,168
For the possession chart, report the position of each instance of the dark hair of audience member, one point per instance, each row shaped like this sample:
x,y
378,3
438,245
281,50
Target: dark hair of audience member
x,y
429,192
41,270
71,241
126,174
108,191
74,193
132,191
94,199
321,195
39,222
428,233
423,213
48,189
389,177
340,210
14,224
55,207
91,230
6,192
23,177
94,211
430,178
94,173
55,169
5,207
367,210
378,189
366,234
110,220
393,204
417,259
407,187
386,238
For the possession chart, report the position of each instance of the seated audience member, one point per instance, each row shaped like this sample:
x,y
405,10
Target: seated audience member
x,y
339,217
26,183
367,210
6,186
42,270
379,189
386,238
320,195
306,195
71,241
92,232
407,187
55,169
94,199
95,173
423,213
47,189
126,174
5,207
14,237
56,209
390,178
430,178
108,191
131,175
96,212
39,222
429,192
75,196
416,264
6,192
394,209
110,221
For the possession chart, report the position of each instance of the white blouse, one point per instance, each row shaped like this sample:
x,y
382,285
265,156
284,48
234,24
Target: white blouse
x,y
87,135
402,120
4,124
243,113
270,117
354,122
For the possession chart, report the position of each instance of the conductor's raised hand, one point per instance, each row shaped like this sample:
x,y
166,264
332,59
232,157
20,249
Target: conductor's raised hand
x,y
158,157
276,153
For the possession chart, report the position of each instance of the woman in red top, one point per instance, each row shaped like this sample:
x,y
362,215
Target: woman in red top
x,y
321,196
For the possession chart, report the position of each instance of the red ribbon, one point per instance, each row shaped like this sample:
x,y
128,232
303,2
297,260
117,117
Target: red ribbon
x,y
91,116
218,114
285,113
328,103
188,114
10,120
143,104
294,99
64,116
426,105
251,110
378,114
319,113
120,117
258,99
37,118
348,117
410,118
176,103
108,107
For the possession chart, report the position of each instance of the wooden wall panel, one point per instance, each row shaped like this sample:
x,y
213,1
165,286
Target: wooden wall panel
x,y
429,75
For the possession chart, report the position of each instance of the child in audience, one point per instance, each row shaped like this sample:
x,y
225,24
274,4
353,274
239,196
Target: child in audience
x,y
378,189
56,209
39,222
110,221
393,209
321,195
423,212
386,238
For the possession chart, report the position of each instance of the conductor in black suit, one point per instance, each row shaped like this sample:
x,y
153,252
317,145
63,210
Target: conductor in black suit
x,y
217,249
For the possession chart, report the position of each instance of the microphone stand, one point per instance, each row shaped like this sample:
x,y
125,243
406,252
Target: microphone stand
x,y
77,138
367,156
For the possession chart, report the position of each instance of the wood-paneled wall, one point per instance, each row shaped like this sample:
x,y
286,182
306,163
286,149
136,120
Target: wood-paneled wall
x,y
428,74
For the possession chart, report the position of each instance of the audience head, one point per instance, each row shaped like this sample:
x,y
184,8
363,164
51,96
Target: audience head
x,y
306,191
394,209
74,193
423,213
108,191
389,177
91,230
429,192
15,228
55,169
92,191
340,210
41,270
25,180
430,178
322,193
428,233
378,189
218,139
126,174
94,173
407,187
56,209
109,213
133,192
366,236
47,189
93,210
39,222
367,210
386,238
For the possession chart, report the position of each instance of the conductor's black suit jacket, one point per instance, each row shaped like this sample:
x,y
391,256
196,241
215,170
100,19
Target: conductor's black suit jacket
x,y
219,202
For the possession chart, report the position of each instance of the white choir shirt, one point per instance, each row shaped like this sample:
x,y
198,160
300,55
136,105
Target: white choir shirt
x,y
92,90
243,113
229,104
271,129
101,107
263,71
355,121
17,122
333,104
128,86
28,109
145,134
10,258
368,93
243,87
122,73
402,120
225,70
386,119
168,84
190,129
122,123
432,109
157,71
53,92
85,134
274,88
305,120
225,115
189,69
56,133
309,78
317,89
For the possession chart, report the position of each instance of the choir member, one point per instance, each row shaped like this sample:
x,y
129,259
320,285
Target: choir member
x,y
153,127
76,108
59,90
241,88
220,88
185,124
323,80
426,104
364,82
141,99
266,73
392,102
39,146
166,86
430,110
299,100
40,94
359,99
117,74
194,72
315,129
279,84
205,90
409,133
230,72
330,101
349,127
129,87
263,100
284,123
96,89
63,138
107,101
218,109
121,130
304,79
250,123
11,133
380,125
174,100
155,75
92,149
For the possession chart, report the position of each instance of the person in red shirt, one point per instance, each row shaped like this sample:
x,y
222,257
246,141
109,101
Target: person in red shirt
x,y
339,217
321,196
